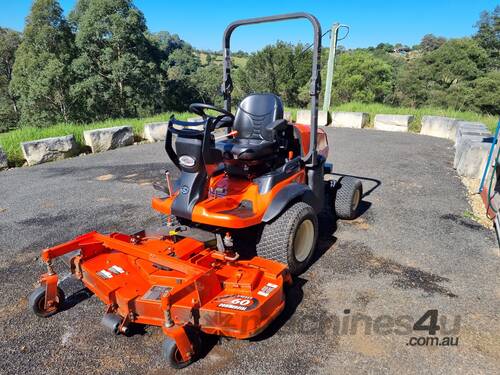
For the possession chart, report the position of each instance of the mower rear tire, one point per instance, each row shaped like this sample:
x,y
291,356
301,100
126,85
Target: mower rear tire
x,y
36,302
349,192
291,237
173,356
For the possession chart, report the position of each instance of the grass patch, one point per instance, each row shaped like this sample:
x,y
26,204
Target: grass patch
x,y
10,141
377,108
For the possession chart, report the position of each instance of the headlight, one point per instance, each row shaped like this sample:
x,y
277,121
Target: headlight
x,y
187,161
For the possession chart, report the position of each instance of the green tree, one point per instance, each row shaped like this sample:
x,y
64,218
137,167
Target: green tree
x,y
486,93
115,70
431,42
9,112
488,35
360,76
443,77
281,68
41,75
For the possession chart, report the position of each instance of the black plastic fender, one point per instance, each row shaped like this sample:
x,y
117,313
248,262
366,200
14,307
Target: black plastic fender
x,y
286,195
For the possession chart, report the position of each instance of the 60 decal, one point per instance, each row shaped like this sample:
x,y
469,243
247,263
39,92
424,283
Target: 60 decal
x,y
237,302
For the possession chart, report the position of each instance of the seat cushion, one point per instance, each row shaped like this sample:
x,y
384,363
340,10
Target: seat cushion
x,y
246,149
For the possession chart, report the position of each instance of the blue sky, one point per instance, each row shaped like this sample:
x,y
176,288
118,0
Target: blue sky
x,y
202,23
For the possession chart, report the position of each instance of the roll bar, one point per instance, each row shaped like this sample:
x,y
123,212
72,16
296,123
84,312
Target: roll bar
x,y
227,84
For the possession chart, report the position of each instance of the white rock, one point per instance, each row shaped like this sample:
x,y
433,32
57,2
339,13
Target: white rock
x,y
356,120
304,117
3,159
473,158
394,123
438,126
155,131
469,128
49,149
108,138
465,144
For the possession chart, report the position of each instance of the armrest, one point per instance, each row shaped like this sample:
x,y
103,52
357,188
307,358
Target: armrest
x,y
276,125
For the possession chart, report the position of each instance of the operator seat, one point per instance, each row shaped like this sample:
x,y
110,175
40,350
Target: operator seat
x,y
258,119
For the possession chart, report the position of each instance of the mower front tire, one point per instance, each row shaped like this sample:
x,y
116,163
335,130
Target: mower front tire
x,y
36,302
172,355
291,237
348,194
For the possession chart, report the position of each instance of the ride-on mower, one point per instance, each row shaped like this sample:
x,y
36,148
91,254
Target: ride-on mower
x,y
262,175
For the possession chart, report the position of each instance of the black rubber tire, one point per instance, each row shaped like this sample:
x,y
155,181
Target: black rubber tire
x,y
36,301
348,195
172,356
112,322
277,237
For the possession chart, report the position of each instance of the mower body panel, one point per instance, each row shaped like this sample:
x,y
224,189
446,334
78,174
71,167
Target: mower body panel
x,y
140,278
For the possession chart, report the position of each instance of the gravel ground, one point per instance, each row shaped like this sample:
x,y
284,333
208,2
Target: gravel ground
x,y
410,251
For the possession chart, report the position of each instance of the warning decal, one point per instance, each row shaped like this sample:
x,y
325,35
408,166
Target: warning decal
x,y
155,292
267,289
237,302
108,274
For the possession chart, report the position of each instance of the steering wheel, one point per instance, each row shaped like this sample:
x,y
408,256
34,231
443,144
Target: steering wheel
x,y
199,109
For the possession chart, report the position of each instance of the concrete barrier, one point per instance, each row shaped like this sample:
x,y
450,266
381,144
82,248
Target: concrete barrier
x,y
356,120
109,138
473,158
49,149
155,131
465,144
304,117
438,126
393,123
3,159
287,116
465,128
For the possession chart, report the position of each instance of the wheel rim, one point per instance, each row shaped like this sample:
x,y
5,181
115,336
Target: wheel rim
x,y
41,305
303,241
355,200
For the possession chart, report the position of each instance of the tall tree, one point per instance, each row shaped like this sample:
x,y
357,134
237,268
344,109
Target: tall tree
x,y
41,75
444,76
431,42
9,111
114,68
360,76
488,35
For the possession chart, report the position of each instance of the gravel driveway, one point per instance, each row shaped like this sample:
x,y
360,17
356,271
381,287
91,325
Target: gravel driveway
x,y
412,250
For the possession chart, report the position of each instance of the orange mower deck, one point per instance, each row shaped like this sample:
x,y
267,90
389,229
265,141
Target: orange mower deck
x,y
172,282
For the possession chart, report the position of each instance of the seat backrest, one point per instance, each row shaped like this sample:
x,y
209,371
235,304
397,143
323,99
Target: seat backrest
x,y
254,112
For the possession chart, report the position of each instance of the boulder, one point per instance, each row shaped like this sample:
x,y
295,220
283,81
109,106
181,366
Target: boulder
x,y
109,138
304,117
438,126
473,159
49,149
155,131
3,159
469,128
356,120
465,144
393,123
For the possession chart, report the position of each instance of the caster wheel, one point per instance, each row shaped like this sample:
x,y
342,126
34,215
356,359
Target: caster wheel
x,y
112,322
36,302
173,356
348,198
